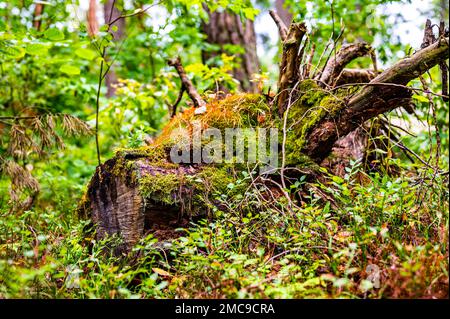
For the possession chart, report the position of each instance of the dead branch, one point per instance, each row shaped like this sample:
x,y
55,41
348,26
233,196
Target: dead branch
x,y
282,29
355,76
289,68
300,59
308,64
428,36
373,57
186,83
333,41
375,98
443,66
409,88
180,96
343,57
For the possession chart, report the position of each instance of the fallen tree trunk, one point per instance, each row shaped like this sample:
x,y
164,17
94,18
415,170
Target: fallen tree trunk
x,y
145,190
382,94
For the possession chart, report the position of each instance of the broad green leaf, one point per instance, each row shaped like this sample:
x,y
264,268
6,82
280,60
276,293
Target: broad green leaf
x,y
69,69
250,13
12,52
196,68
37,49
54,34
86,54
6,36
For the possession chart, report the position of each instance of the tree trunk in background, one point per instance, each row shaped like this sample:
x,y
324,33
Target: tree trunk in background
x,y
37,19
444,4
225,28
92,18
111,13
283,12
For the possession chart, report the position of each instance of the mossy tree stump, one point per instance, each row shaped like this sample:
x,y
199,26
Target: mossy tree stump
x,y
142,190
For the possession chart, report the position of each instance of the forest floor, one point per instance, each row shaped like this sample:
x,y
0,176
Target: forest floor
x,y
378,236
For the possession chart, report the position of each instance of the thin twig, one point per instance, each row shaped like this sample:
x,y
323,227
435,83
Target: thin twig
x,y
282,29
403,147
189,87
180,96
128,15
386,122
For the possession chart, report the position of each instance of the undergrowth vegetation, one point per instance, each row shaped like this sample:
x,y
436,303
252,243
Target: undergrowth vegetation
x,y
393,228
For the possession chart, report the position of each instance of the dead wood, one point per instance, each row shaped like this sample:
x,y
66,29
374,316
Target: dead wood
x,y
186,83
117,203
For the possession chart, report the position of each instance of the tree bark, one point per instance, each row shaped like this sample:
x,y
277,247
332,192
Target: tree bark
x,y
337,62
37,16
290,63
92,18
224,28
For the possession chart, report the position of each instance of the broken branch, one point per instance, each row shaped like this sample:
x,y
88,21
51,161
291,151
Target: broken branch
x,y
289,68
343,57
375,98
180,95
282,29
355,76
186,83
443,66
308,64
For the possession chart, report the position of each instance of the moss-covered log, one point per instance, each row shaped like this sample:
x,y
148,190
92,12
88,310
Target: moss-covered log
x,y
143,190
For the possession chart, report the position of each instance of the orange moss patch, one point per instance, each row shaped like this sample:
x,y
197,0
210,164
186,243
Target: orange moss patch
x,y
239,110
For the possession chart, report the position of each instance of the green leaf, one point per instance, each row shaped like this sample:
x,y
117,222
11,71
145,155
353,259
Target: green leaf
x,y
69,69
12,52
337,179
420,98
54,34
37,49
86,54
6,36
250,13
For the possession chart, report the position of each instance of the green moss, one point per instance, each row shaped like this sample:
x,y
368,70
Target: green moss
x,y
160,187
312,105
156,155
215,178
171,189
